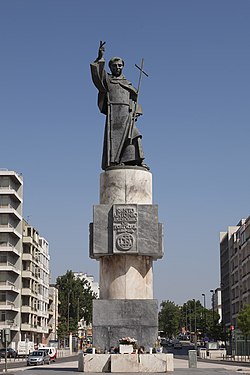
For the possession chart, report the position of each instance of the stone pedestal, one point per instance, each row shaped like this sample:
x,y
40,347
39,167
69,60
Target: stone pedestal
x,y
129,363
125,237
114,319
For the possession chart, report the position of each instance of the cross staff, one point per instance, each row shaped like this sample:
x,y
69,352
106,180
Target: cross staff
x,y
138,90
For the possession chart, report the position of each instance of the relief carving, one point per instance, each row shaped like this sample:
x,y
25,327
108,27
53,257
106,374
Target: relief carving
x,y
125,223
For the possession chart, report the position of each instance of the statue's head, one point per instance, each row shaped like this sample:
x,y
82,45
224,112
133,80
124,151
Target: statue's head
x,y
116,65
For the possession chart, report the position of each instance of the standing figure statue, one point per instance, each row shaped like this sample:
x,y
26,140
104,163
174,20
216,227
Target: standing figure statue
x,y
117,99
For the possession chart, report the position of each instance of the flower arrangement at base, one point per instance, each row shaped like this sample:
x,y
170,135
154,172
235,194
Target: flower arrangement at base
x,y
127,341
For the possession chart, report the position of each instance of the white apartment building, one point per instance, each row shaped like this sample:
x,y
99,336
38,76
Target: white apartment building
x,y
35,286
235,270
84,330
24,270
94,285
53,313
216,302
11,203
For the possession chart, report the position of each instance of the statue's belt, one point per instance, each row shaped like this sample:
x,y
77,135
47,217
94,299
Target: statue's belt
x,y
113,103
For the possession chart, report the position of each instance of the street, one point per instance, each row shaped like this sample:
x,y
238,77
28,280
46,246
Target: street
x,y
65,363
69,365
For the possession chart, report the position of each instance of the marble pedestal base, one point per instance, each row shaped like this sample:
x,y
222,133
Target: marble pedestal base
x,y
114,319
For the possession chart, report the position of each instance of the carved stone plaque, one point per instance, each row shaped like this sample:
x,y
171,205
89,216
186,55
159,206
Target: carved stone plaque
x,y
125,225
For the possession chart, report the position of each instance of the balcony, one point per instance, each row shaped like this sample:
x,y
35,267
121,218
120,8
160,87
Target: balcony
x,y
8,267
8,305
8,247
42,314
25,327
51,310
9,228
27,256
8,209
11,324
28,274
42,329
9,190
7,285
26,309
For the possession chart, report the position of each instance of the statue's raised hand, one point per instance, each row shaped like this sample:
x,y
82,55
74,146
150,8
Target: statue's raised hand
x,y
101,50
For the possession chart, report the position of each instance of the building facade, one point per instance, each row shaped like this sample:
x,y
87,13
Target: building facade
x,y
84,330
35,286
235,271
53,313
25,298
94,285
11,205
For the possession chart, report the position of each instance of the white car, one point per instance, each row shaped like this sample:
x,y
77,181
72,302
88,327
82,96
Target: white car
x,y
38,357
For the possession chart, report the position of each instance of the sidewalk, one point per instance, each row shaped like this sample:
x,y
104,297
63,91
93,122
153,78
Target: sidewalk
x,y
180,364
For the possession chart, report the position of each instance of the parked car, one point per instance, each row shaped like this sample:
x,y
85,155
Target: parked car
x,y
51,352
38,357
88,351
11,353
177,345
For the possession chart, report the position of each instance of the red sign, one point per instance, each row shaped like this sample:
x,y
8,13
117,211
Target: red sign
x,y
231,328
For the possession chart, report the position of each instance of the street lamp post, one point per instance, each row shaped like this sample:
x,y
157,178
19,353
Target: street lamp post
x,y
195,326
68,309
205,322
213,293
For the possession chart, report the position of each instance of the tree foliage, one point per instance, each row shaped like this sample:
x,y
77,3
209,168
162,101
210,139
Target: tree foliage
x,y
205,322
243,320
75,298
169,318
191,318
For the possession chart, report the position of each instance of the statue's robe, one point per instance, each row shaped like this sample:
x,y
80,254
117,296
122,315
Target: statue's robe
x,y
117,100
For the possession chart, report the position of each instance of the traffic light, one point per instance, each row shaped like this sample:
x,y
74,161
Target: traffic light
x,y
3,336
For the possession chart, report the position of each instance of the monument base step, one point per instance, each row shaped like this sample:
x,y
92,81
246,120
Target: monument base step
x,y
94,363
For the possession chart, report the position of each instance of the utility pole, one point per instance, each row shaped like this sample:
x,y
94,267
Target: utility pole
x,y
195,326
204,314
68,308
213,293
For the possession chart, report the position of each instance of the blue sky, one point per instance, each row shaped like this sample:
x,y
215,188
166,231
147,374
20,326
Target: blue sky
x,y
195,125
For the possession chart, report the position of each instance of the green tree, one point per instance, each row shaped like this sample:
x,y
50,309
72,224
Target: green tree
x,y
243,322
192,316
169,318
75,298
203,322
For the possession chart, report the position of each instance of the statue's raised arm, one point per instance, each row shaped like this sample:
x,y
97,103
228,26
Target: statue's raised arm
x,y
101,51
117,99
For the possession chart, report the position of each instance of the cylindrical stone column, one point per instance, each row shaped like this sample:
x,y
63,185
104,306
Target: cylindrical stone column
x,y
126,276
126,185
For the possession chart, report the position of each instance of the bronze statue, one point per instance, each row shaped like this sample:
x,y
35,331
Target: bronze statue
x,y
117,99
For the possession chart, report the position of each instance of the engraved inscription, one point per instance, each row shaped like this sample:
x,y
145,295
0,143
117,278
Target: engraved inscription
x,y
125,227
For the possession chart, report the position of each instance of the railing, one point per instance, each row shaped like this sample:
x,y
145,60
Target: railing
x,y
8,206
8,284
8,225
7,302
7,263
7,244
236,358
4,188
10,323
